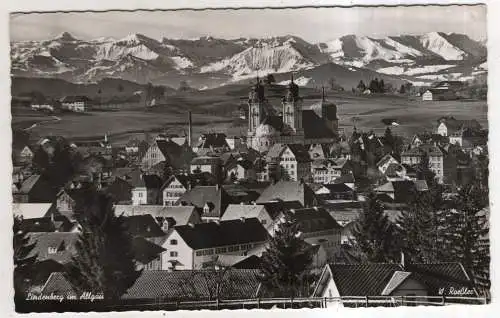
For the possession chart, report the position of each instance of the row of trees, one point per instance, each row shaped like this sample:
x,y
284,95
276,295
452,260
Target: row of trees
x,y
430,229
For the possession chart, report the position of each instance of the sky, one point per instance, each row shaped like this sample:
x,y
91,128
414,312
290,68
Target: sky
x,y
312,24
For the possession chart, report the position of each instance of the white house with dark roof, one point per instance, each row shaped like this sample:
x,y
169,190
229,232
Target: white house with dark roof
x,y
180,215
385,282
77,104
248,211
174,188
384,163
293,159
192,246
414,156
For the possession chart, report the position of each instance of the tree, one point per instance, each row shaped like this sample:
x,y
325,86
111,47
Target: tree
x,y
23,263
120,88
374,234
374,86
381,86
285,261
419,231
104,261
99,91
402,89
270,79
389,139
466,233
184,86
333,83
361,86
56,161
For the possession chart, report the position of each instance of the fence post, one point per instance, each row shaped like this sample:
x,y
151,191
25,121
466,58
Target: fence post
x,y
217,303
366,301
258,303
323,303
442,300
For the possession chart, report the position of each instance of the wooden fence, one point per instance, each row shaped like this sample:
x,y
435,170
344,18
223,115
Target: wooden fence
x,y
253,303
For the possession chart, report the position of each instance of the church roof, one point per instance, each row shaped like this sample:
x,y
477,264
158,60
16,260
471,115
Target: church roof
x,y
315,127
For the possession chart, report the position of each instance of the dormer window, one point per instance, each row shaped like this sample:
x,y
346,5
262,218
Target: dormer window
x,y
52,250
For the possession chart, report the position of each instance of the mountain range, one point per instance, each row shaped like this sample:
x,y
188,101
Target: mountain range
x,y
210,62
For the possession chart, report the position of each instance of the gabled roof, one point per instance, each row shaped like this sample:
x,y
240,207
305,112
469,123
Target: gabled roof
x,y
314,220
29,183
223,233
215,196
288,191
181,214
64,242
145,251
338,188
376,279
143,225
362,279
31,210
385,159
186,285
183,179
175,155
300,152
238,211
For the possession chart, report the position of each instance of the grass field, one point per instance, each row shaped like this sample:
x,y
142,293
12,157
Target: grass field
x,y
212,111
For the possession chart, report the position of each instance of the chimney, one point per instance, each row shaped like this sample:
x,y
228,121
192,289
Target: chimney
x,y
242,219
403,260
190,132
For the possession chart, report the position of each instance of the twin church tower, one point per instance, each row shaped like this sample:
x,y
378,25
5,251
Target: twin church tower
x,y
295,125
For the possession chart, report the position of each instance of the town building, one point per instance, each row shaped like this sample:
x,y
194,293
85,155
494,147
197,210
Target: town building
x,y
165,216
348,285
294,125
146,190
164,149
210,201
248,211
289,191
414,156
174,188
328,171
78,104
212,165
34,189
193,246
292,161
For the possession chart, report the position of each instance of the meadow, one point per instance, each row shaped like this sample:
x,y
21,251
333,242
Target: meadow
x,y
216,111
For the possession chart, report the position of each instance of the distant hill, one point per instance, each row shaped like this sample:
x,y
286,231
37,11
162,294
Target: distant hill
x,y
57,88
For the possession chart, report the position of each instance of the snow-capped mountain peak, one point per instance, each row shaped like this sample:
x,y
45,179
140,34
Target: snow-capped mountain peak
x,y
437,43
65,37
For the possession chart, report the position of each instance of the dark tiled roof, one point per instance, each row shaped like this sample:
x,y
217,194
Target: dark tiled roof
x,y
181,214
315,127
145,251
29,183
251,262
175,155
183,179
338,188
275,208
143,225
230,232
205,160
215,196
314,220
64,242
274,121
194,285
300,152
57,284
152,181
288,191
362,279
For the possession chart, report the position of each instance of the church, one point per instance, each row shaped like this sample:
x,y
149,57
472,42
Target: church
x,y
293,125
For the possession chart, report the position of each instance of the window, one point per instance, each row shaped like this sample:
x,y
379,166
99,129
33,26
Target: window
x,y
173,254
52,250
139,194
220,250
173,242
264,222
